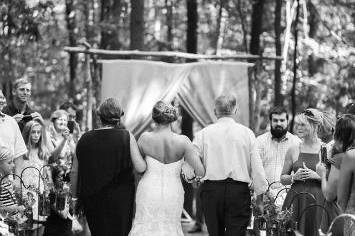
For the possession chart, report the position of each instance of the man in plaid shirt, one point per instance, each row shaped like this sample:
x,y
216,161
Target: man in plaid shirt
x,y
273,145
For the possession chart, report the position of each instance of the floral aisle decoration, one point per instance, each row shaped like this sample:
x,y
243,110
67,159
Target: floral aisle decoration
x,y
274,220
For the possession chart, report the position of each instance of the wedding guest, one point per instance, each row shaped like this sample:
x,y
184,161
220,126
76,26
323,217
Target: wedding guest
x,y
59,222
8,201
74,127
299,171
344,137
2,100
61,139
39,150
272,147
106,157
10,135
229,154
19,108
328,170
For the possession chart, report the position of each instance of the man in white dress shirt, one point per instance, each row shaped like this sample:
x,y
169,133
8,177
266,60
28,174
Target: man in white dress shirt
x,y
272,147
10,135
229,154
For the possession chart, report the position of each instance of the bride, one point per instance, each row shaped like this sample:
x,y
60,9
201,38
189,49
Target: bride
x,y
160,195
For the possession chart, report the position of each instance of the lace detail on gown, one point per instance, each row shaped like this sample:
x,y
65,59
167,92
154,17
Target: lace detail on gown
x,y
159,200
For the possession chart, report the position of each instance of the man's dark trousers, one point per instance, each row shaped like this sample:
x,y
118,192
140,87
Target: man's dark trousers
x,y
226,205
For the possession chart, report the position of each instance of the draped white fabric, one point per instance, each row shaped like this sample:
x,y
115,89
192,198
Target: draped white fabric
x,y
138,84
208,80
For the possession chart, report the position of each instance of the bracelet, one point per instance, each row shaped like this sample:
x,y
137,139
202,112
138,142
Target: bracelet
x,y
292,180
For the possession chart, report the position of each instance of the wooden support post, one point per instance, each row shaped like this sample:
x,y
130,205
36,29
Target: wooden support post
x,y
89,93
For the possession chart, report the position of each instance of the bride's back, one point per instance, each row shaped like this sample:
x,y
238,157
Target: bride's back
x,y
165,146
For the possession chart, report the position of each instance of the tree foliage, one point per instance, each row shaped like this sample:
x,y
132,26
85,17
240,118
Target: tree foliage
x,y
33,34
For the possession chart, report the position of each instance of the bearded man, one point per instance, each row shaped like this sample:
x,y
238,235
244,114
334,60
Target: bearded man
x,y
273,145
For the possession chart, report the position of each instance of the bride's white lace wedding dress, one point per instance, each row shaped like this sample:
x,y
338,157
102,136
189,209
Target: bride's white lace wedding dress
x,y
159,200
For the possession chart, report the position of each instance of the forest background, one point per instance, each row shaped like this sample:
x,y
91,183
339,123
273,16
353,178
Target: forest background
x,y
33,34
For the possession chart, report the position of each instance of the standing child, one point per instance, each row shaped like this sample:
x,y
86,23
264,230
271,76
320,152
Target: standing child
x,y
8,202
59,223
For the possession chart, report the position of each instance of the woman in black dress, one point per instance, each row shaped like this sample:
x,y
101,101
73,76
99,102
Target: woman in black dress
x,y
106,157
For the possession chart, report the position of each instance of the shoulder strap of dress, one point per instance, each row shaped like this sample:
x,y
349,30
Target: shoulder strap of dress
x,y
299,148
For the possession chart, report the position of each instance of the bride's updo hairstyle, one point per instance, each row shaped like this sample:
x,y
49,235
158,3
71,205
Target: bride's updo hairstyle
x,y
163,113
110,112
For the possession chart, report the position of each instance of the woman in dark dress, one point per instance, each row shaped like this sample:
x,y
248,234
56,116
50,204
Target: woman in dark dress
x,y
300,171
106,189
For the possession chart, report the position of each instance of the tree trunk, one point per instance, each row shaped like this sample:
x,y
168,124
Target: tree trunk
x,y
110,17
169,23
313,28
295,67
256,26
218,26
278,81
137,25
256,30
187,121
87,72
192,18
191,47
243,24
73,60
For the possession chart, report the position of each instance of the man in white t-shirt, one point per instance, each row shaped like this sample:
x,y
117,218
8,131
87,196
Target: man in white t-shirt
x,y
10,135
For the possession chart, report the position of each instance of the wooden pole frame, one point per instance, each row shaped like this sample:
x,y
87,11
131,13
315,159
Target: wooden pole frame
x,y
167,54
149,55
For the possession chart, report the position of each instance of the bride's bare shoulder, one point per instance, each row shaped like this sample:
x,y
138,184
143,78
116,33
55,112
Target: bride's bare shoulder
x,y
183,139
145,136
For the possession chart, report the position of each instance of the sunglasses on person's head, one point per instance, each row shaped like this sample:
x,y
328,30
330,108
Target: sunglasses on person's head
x,y
308,113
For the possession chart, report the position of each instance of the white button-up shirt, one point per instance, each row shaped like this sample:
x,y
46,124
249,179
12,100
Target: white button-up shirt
x,y
11,137
273,152
228,150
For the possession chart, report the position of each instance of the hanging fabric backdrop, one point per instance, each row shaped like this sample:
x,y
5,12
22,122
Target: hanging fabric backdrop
x,y
140,84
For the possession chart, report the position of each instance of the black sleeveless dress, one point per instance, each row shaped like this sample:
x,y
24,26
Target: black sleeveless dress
x,y
310,221
106,181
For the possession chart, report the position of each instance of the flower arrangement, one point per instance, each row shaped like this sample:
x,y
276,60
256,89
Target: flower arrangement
x,y
274,220
30,200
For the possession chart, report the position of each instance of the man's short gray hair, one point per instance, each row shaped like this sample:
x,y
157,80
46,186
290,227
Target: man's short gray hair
x,y
225,104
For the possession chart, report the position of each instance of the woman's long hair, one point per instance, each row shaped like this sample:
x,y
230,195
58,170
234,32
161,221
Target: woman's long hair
x,y
42,145
345,131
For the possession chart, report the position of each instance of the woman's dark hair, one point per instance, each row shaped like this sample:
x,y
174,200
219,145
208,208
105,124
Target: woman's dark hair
x,y
345,131
110,112
163,113
350,108
60,171
65,106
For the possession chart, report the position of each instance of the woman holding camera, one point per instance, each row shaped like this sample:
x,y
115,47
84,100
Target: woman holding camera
x,y
64,145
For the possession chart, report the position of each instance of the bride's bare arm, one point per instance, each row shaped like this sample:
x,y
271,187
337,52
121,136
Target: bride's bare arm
x,y
138,162
191,156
